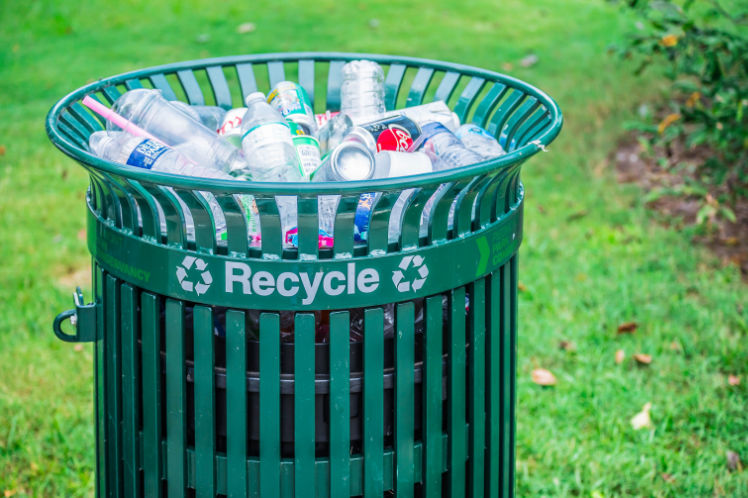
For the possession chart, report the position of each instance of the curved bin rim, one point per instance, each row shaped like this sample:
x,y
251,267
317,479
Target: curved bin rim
x,y
299,188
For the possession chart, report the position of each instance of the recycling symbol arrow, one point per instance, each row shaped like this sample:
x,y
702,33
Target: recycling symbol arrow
x,y
398,277
205,277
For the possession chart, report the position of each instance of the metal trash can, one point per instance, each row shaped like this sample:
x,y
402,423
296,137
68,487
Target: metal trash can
x,y
229,368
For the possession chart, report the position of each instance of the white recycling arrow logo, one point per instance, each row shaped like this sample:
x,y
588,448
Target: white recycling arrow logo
x,y
205,276
398,277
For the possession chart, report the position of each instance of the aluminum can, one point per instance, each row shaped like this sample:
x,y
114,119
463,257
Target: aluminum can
x,y
292,101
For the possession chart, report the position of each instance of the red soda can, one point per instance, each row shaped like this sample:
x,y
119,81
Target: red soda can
x,y
393,133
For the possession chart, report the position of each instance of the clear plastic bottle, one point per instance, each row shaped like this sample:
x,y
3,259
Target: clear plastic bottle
x,y
210,116
436,111
333,132
173,126
479,141
123,148
362,90
270,152
267,143
443,148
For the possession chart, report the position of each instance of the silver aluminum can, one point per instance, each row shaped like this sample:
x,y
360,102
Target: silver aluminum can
x,y
349,161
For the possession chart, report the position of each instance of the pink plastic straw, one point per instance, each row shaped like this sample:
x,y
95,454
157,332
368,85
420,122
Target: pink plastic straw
x,y
115,118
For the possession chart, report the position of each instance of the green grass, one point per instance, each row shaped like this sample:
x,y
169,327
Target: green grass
x,y
584,274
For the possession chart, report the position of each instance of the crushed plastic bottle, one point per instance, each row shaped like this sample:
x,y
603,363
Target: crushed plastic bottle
x,y
444,148
479,141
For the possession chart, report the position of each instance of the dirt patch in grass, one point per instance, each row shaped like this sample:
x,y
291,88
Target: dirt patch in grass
x,y
727,239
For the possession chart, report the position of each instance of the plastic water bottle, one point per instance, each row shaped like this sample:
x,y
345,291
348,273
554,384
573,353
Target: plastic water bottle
x,y
209,115
422,114
334,131
362,90
123,148
444,148
479,141
270,152
267,143
173,126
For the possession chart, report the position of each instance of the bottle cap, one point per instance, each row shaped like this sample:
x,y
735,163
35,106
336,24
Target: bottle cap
x,y
253,97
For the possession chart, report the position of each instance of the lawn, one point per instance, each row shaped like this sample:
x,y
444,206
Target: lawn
x,y
593,257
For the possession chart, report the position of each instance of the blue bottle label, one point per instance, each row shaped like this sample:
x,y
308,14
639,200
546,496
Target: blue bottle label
x,y
146,153
361,218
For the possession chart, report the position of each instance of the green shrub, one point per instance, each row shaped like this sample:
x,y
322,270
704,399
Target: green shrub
x,y
703,48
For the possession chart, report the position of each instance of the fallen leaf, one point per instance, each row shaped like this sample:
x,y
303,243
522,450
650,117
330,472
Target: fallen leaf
x,y
667,477
529,60
567,345
669,40
78,347
675,346
521,287
577,215
733,461
627,327
507,66
543,377
643,359
641,419
733,380
246,27
2,150
693,99
580,277
620,355
82,234
669,119
9,492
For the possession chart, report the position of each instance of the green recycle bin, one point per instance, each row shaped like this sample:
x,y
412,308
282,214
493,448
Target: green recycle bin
x,y
229,368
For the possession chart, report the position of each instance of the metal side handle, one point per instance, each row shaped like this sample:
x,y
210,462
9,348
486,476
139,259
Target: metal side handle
x,y
83,318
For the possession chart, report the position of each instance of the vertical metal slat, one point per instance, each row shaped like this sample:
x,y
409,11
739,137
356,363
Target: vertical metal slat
x,y
496,313
113,377
334,80
340,420
456,395
205,397
306,78
151,353
373,406
477,388
191,87
269,405
130,392
247,81
392,85
419,86
303,403
276,72
176,399
219,86
236,404
99,362
432,399
404,397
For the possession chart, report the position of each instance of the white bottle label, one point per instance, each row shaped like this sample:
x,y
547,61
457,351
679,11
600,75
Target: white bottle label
x,y
264,134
